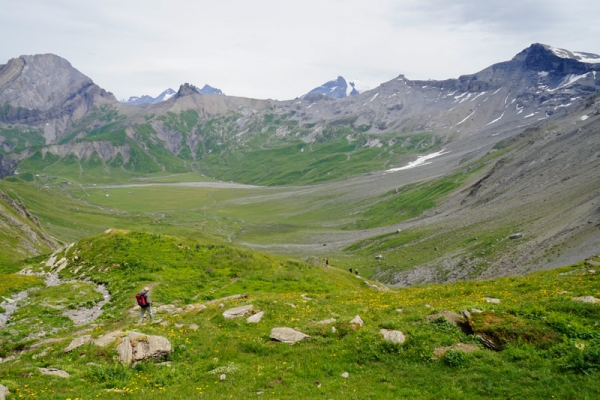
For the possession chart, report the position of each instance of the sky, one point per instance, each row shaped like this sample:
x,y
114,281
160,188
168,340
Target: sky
x,y
283,49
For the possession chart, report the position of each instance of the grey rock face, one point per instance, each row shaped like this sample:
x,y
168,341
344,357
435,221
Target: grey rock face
x,y
287,335
237,312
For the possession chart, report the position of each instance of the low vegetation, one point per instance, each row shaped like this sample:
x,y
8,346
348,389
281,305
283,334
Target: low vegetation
x,y
545,343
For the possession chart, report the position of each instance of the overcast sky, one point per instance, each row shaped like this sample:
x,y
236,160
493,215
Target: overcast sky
x,y
282,49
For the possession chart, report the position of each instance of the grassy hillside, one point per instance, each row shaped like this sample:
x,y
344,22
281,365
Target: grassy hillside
x,y
547,345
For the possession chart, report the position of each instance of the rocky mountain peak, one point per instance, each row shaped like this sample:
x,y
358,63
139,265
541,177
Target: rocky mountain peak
x,y
541,57
186,89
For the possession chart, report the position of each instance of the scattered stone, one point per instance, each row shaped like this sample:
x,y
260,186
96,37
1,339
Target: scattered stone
x,y
399,310
516,236
398,230
378,257
237,312
476,311
345,375
156,321
586,299
253,319
78,342
107,339
357,322
318,384
7,359
221,305
392,336
591,271
41,355
333,329
194,327
287,335
492,300
164,323
466,314
43,343
305,297
165,364
3,392
462,347
179,326
55,372
428,306
592,263
222,377
326,321
291,305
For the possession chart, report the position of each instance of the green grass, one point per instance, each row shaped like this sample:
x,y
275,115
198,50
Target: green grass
x,y
549,343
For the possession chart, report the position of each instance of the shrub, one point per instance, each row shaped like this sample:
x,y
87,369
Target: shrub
x,y
454,358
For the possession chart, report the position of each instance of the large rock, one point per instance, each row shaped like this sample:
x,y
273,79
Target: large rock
x,y
254,319
357,322
78,342
586,299
3,392
393,336
107,339
138,347
237,312
287,335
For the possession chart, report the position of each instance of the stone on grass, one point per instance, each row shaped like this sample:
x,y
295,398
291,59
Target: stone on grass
x,y
78,342
222,377
139,347
3,392
287,335
392,336
237,312
194,327
253,319
345,375
586,299
107,339
516,236
54,372
399,310
179,326
492,300
476,311
466,314
357,322
326,321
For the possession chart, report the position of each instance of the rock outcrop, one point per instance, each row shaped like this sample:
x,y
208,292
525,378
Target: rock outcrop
x,y
287,335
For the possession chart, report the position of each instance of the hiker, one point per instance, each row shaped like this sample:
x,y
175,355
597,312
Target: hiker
x,y
356,270
143,300
327,262
350,270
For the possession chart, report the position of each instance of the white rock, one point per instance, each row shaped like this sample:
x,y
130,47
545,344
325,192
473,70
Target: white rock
x,y
78,342
392,336
194,327
54,371
492,300
326,321
287,335
3,392
253,319
222,377
586,299
237,312
357,322
345,375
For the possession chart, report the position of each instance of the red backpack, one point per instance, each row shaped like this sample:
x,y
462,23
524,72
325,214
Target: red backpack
x,y
142,300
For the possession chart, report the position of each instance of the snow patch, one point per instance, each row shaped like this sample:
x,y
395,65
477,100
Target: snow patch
x,y
374,97
583,118
569,80
419,161
466,118
529,116
496,120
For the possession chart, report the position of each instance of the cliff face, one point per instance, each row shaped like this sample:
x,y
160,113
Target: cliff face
x,y
21,234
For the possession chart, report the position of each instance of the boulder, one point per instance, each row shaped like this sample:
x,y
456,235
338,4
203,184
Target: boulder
x,y
107,339
392,336
253,319
78,342
55,372
357,322
3,392
237,312
287,335
516,236
139,347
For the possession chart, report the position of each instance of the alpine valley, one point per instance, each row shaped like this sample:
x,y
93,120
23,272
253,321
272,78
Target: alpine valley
x,y
420,228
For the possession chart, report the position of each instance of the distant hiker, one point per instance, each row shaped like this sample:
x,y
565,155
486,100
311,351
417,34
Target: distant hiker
x,y
327,262
350,270
356,270
143,300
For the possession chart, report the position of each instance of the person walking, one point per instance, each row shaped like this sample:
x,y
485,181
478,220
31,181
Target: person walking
x,y
143,299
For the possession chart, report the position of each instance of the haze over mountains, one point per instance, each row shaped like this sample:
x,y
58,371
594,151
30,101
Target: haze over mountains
x,y
520,134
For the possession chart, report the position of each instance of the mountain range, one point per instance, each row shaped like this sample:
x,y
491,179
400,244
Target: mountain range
x,y
512,143
166,95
